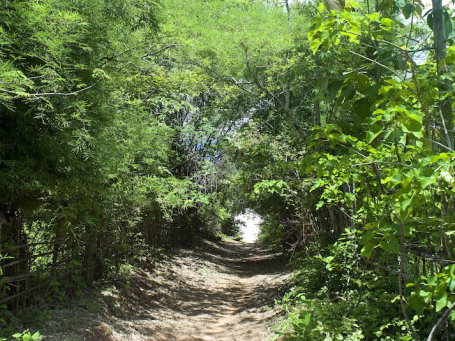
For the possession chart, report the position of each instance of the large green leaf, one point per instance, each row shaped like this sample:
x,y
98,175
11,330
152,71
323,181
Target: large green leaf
x,y
390,245
374,131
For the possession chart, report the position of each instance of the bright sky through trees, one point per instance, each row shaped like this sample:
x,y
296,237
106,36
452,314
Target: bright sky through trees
x,y
250,226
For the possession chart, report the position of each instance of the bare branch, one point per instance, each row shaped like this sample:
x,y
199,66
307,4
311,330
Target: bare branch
x,y
47,93
153,53
440,322
378,63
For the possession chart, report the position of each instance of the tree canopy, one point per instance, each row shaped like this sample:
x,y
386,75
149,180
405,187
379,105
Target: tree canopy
x,y
127,126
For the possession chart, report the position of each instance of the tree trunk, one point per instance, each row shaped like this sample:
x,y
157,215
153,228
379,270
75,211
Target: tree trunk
x,y
288,11
445,103
91,259
317,113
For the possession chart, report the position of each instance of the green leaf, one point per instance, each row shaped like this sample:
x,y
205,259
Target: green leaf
x,y
408,9
416,302
368,236
367,249
391,245
413,126
362,109
447,24
307,319
374,132
386,24
428,180
450,58
347,92
404,204
430,20
333,88
394,179
442,302
323,84
451,284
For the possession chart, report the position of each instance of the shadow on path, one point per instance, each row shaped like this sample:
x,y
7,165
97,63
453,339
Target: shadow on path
x,y
215,291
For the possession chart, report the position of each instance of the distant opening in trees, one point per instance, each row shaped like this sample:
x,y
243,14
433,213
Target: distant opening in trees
x,y
249,222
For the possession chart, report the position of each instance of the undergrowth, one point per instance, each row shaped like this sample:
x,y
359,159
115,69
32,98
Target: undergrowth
x,y
337,297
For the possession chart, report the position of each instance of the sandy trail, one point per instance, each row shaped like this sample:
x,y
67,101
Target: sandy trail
x,y
216,291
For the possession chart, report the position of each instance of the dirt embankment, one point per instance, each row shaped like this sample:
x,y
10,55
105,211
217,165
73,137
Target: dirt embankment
x,y
216,291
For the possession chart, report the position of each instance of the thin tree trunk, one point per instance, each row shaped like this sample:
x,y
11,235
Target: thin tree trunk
x,y
288,11
317,113
401,268
445,102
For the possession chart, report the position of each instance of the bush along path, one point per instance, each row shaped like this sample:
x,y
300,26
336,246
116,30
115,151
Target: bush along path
x,y
217,291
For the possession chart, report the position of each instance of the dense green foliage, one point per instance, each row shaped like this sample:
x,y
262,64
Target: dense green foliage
x,y
131,125
351,164
103,142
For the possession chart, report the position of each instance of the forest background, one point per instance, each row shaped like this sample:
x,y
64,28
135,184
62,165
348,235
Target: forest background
x,y
129,126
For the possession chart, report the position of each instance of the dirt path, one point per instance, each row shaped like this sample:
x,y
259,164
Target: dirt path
x,y
217,291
